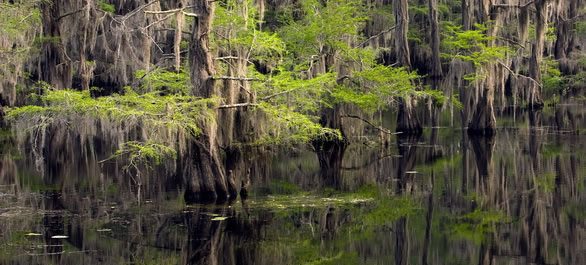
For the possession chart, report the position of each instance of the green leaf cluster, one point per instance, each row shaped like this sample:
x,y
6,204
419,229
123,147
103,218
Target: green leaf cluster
x,y
164,81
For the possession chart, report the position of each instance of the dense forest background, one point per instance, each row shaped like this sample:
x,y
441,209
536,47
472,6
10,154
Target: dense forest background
x,y
187,88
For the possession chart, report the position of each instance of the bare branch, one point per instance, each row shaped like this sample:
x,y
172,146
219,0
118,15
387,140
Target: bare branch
x,y
237,105
376,35
371,124
519,75
509,5
235,78
69,14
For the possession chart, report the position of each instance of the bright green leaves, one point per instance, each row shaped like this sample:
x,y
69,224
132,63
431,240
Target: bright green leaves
x,y
375,88
324,26
157,113
472,45
167,82
287,126
235,26
105,6
17,19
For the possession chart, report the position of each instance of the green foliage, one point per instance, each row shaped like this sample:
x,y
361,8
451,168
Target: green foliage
x,y
235,22
157,113
474,226
388,210
324,28
551,77
471,45
143,153
289,127
105,6
18,18
374,88
161,80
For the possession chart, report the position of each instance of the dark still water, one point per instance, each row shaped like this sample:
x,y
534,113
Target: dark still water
x,y
444,198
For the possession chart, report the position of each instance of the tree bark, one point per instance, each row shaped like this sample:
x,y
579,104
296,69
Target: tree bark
x,y
483,120
467,14
402,27
208,180
541,7
407,121
436,67
54,67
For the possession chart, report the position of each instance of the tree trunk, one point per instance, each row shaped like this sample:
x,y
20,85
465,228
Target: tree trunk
x,y
209,180
436,67
467,14
402,26
535,99
1,114
483,120
407,121
565,34
54,67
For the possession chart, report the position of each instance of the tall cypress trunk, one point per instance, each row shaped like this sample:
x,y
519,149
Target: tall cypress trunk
x,y
467,14
407,121
535,99
53,67
208,180
436,67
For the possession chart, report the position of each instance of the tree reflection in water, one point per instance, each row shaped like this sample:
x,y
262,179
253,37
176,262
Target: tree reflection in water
x,y
515,198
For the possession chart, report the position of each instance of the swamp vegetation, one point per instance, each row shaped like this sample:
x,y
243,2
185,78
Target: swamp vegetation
x,y
292,131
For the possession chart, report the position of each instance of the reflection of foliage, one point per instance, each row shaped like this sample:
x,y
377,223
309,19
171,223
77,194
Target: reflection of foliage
x,y
476,225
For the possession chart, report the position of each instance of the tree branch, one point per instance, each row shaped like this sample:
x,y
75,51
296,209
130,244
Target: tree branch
x,y
509,5
519,75
370,123
238,105
376,35
235,78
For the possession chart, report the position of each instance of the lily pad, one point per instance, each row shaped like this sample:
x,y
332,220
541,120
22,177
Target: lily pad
x,y
219,218
59,237
33,234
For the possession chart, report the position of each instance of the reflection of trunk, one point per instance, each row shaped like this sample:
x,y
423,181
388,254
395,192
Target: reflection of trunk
x,y
231,241
407,151
53,225
483,148
401,242
428,225
535,99
208,180
330,156
535,118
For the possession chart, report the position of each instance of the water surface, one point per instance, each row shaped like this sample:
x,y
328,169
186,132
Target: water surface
x,y
443,198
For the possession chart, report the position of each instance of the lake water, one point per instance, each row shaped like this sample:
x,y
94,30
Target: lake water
x,y
443,198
